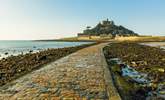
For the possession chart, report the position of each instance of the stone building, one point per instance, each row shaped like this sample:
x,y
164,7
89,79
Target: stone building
x,y
106,29
107,22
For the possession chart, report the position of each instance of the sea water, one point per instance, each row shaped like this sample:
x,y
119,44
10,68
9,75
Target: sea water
x,y
8,48
155,44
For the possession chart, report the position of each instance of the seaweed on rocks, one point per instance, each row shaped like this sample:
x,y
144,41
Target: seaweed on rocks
x,y
16,66
142,59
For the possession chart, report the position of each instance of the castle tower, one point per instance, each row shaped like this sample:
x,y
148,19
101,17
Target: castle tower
x,y
107,22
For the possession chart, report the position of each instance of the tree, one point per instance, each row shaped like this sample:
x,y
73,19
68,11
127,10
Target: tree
x,y
88,27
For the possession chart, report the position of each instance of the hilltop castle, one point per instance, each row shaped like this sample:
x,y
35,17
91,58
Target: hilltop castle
x,y
106,28
107,22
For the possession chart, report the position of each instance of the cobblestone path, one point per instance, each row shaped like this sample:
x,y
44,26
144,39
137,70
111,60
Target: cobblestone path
x,y
79,76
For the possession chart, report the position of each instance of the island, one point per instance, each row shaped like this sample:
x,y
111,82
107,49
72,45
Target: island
x,y
106,29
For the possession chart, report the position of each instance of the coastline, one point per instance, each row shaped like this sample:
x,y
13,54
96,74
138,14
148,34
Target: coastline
x,y
15,66
61,40
16,47
76,76
117,39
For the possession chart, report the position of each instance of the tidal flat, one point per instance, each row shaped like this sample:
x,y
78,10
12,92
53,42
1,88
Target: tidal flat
x,y
138,70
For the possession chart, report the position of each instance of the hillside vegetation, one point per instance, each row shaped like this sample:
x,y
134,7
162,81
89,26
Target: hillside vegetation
x,y
108,28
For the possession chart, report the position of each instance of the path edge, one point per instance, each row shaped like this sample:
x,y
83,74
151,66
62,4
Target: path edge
x,y
111,89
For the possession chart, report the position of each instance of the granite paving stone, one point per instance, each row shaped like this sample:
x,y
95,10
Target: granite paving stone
x,y
78,76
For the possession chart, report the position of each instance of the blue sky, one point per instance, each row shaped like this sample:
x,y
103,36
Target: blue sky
x,y
49,19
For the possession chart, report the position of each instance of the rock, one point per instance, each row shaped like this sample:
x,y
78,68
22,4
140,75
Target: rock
x,y
43,58
153,86
6,53
30,51
57,92
144,59
34,47
102,95
162,92
161,70
141,63
19,70
114,61
82,93
163,59
133,64
44,90
25,63
90,95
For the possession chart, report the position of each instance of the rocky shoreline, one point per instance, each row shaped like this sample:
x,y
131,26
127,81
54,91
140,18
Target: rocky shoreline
x,y
138,70
78,76
16,66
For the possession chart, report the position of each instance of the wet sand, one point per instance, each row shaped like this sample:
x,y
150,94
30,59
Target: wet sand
x,y
155,44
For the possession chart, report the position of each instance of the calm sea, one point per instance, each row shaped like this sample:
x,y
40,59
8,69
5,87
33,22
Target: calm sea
x,y
8,48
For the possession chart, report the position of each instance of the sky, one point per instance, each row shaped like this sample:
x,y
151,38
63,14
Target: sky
x,y
50,19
